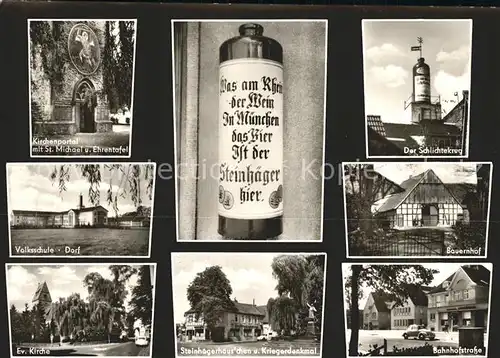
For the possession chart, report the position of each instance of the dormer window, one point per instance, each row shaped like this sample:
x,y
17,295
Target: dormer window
x,y
446,284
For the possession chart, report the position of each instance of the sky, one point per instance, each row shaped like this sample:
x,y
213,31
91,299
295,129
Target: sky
x,y
388,62
62,281
445,270
447,172
30,188
250,276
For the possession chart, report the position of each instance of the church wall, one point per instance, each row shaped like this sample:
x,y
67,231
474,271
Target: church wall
x,y
56,102
40,89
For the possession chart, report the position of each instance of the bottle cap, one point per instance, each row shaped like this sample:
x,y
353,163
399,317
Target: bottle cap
x,y
251,30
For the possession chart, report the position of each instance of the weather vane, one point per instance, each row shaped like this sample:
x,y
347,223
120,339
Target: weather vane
x,y
418,48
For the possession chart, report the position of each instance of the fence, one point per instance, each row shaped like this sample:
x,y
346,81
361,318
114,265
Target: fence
x,y
377,350
400,243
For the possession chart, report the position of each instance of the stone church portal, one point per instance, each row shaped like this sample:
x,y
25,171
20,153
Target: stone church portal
x,y
74,101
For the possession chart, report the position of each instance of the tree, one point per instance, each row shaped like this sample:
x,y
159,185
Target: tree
x,y
118,61
142,297
209,295
282,312
16,324
129,183
395,281
38,316
360,196
301,278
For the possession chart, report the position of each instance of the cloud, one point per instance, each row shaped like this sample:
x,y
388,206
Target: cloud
x,y
103,270
446,85
30,188
460,54
385,52
20,284
391,76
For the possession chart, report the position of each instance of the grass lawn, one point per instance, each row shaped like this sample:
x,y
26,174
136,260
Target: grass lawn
x,y
92,242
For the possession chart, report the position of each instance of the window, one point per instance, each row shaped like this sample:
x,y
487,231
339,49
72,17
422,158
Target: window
x,y
466,294
433,316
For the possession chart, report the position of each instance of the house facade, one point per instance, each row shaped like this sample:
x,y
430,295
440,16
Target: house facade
x,y
413,311
245,323
95,216
377,313
461,300
420,201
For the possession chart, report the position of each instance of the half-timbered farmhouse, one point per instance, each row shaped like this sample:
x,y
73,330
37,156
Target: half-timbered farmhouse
x,y
420,201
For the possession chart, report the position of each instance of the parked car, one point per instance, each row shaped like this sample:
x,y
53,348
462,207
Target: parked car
x,y
272,335
142,334
121,117
418,332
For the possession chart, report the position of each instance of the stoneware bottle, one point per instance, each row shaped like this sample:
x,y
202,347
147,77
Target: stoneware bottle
x,y
251,122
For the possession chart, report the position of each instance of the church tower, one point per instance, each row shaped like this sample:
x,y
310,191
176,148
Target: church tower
x,y
421,107
42,296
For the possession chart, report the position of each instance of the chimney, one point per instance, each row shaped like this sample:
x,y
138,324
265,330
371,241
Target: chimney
x,y
253,302
81,201
235,300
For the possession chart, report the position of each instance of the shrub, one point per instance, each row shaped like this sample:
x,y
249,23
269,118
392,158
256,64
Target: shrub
x,y
470,235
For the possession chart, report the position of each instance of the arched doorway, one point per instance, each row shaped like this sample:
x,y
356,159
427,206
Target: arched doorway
x,y
84,102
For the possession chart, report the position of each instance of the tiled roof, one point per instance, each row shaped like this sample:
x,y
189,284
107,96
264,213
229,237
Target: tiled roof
x,y
263,309
403,130
400,134
381,301
393,201
375,122
418,295
243,308
380,145
36,213
90,208
440,287
479,274
47,213
248,308
41,288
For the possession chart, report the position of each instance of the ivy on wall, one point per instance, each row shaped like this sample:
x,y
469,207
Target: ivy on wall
x,y
48,38
49,41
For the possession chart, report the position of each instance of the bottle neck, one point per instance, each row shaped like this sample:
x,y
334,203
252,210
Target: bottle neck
x,y
251,30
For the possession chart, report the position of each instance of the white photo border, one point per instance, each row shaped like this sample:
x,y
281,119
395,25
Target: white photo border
x,y
176,154
132,94
74,164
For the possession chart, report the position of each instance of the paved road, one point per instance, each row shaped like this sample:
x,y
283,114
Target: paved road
x,y
304,347
104,350
368,339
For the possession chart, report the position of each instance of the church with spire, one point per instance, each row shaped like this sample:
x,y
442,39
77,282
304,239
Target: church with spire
x,y
424,128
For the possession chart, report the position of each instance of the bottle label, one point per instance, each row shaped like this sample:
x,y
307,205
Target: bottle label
x,y
422,88
250,139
